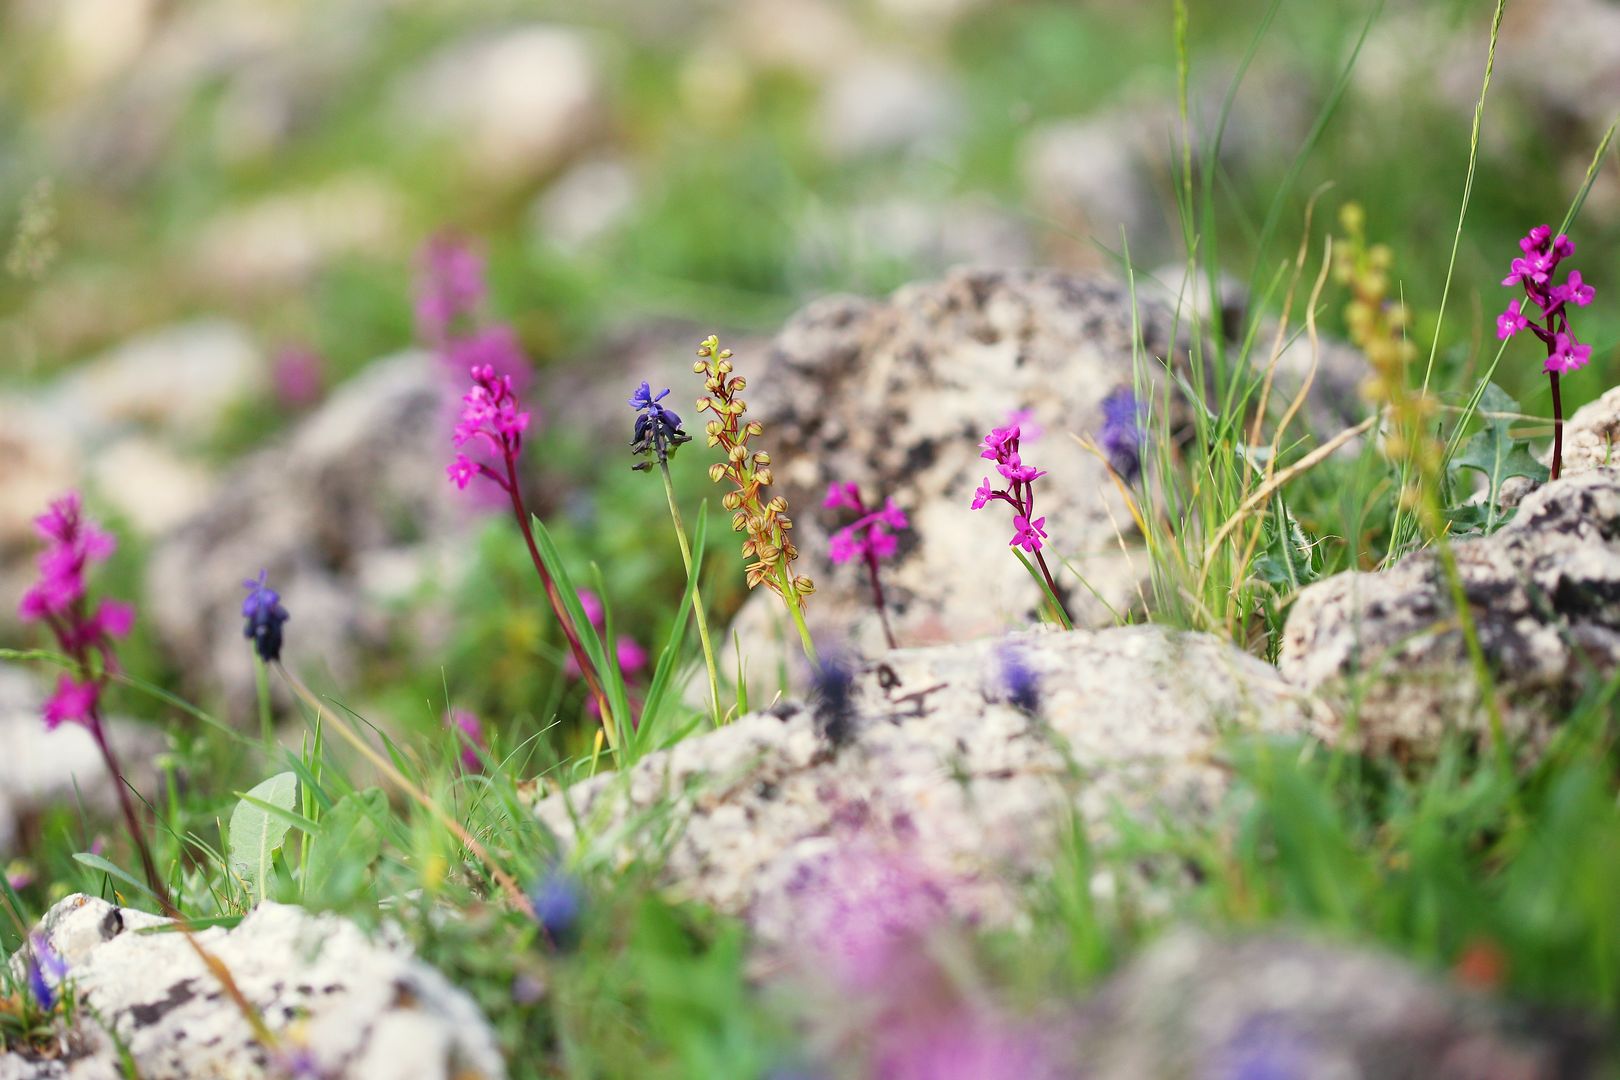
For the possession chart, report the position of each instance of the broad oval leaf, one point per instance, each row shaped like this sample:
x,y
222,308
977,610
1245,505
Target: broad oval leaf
x,y
255,834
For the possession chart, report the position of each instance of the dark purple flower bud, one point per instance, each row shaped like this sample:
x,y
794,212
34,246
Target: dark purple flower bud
x,y
46,970
832,687
1019,681
1122,436
658,430
265,617
558,903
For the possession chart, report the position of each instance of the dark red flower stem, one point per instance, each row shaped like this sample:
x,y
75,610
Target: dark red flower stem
x,y
585,667
154,881
871,560
1558,427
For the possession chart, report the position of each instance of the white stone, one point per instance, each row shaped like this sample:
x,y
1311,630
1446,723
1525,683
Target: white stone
x,y
885,104
513,104
347,1004
180,379
940,769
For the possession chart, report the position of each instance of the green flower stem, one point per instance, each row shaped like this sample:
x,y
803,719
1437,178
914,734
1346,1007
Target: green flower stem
x,y
261,683
795,606
697,596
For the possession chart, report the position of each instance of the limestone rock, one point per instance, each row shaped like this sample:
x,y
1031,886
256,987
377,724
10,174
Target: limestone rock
x,y
341,1004
512,104
1589,435
882,105
584,205
895,396
179,379
940,767
360,476
281,241
1276,1005
1545,596
1094,176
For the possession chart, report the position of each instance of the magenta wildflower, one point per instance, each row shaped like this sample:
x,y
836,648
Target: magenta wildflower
x,y
872,537
1534,270
492,421
1029,532
1511,321
492,424
59,600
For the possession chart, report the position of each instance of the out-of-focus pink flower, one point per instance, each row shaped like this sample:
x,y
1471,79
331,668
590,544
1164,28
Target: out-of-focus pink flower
x,y
632,657
962,1045
72,701
1024,421
449,285
593,607
468,724
871,536
298,375
842,497
495,347
864,914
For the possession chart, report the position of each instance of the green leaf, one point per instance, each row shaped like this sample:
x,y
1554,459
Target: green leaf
x,y
652,715
350,840
256,834
1495,453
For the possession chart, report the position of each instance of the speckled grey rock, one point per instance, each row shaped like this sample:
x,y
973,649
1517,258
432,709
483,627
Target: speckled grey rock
x,y
1274,1005
896,395
338,1002
1545,596
357,482
940,767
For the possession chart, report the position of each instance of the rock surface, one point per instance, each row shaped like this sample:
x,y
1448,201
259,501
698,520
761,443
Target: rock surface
x,y
1543,592
939,767
896,395
179,379
1277,1006
511,105
339,1003
357,481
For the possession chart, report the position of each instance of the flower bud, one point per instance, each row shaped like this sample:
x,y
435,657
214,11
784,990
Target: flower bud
x,y
717,472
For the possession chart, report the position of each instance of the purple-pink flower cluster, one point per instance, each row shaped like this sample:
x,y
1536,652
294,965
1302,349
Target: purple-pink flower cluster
x,y
871,535
491,417
449,288
1541,252
469,731
60,600
1001,446
450,291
